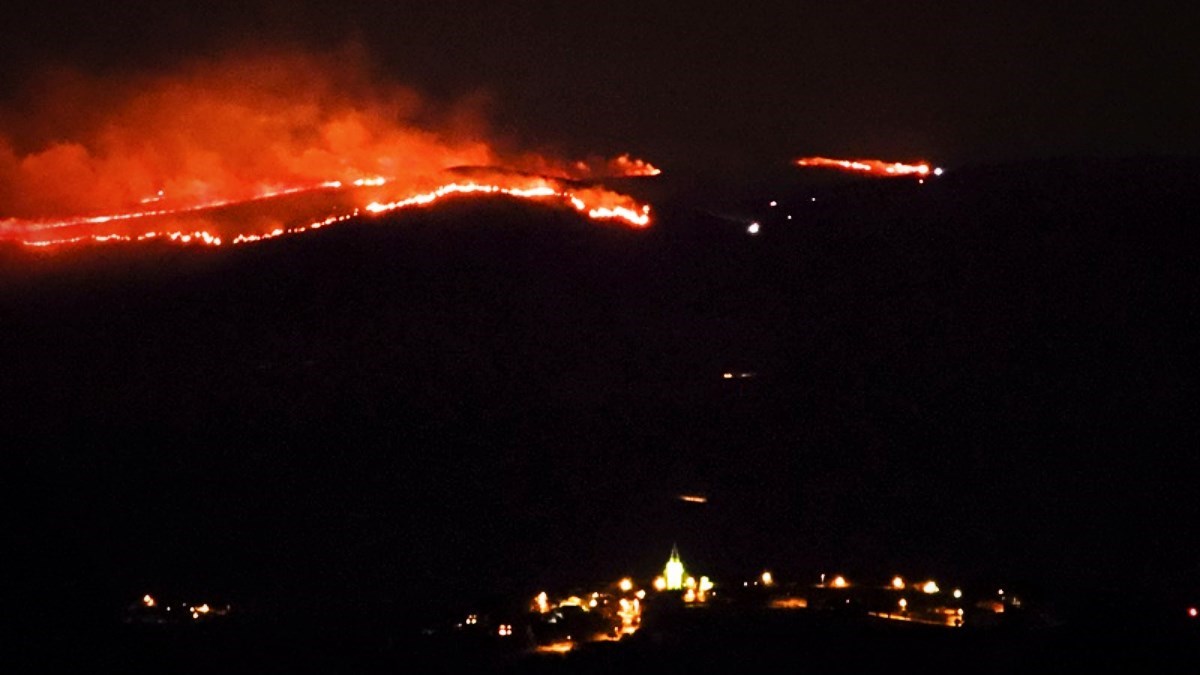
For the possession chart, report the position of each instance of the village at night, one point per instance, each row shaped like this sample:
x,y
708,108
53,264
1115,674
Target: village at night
x,y
678,618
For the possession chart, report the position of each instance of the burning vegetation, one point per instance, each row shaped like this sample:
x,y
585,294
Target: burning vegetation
x,y
240,149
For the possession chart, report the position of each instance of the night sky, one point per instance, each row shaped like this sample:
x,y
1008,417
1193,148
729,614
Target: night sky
x,y
987,376
734,85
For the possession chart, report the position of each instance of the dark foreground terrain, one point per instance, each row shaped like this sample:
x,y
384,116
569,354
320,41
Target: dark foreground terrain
x,y
986,377
746,642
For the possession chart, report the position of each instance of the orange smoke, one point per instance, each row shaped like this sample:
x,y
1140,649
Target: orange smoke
x,y
592,168
154,155
874,167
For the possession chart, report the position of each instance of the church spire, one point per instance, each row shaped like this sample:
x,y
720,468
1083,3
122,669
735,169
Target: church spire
x,y
674,570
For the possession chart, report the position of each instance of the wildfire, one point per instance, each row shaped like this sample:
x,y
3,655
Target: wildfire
x,y
630,213
242,149
594,203
624,165
872,167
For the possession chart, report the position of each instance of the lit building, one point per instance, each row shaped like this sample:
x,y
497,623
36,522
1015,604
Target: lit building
x,y
674,571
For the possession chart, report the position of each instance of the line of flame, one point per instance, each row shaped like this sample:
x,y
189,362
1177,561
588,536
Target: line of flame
x,y
39,225
630,216
871,166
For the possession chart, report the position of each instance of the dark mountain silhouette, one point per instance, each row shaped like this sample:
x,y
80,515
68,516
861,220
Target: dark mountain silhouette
x,y
986,376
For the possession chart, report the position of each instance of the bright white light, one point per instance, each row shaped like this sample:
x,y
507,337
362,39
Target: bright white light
x,y
898,583
767,579
753,229
957,593
938,171
626,584
673,572
930,587
789,217
903,603
1193,612
774,203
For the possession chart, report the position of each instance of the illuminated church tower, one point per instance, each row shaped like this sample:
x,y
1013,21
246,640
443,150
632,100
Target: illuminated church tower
x,y
674,571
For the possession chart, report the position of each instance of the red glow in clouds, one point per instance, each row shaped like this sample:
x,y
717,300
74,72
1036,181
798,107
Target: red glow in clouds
x,y
872,167
242,149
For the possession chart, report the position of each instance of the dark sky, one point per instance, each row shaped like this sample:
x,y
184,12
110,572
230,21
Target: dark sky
x,y
952,82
